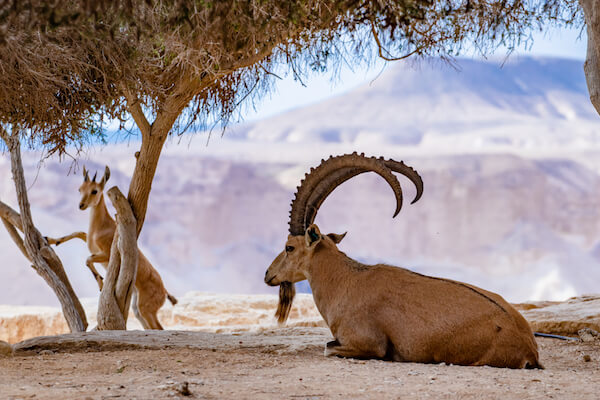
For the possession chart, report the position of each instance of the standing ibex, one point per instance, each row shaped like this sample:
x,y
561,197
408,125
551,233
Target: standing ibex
x,y
150,292
380,311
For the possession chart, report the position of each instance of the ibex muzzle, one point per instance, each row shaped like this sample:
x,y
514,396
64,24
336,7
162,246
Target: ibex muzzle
x,y
381,311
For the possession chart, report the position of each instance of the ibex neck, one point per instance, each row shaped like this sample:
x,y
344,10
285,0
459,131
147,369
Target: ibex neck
x,y
99,215
329,276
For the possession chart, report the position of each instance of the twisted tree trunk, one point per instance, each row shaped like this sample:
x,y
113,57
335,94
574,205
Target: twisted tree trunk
x,y
33,245
115,297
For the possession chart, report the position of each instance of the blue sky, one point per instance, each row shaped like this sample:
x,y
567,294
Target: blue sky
x,y
289,94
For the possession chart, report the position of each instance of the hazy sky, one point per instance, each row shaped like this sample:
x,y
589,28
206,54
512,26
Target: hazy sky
x,y
290,94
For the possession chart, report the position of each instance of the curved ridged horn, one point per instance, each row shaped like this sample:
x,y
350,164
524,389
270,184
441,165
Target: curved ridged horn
x,y
326,186
321,181
408,172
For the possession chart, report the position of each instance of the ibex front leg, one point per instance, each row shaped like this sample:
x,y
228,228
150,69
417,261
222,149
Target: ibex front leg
x,y
96,258
75,235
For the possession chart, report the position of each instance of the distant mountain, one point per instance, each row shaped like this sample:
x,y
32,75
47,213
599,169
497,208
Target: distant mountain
x,y
509,157
526,103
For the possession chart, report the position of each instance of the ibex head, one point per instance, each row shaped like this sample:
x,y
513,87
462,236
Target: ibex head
x,y
290,265
90,190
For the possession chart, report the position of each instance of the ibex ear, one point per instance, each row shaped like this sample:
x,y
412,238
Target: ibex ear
x,y
106,176
312,235
86,177
336,237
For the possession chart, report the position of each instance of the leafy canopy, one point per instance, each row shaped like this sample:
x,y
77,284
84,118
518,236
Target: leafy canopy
x,y
68,65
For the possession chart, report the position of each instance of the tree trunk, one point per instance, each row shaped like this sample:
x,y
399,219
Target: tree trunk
x,y
115,297
591,10
153,138
44,260
143,175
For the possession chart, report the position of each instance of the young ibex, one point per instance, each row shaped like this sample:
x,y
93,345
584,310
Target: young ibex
x,y
380,311
150,292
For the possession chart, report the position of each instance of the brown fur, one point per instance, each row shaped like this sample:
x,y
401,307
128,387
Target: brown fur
x,y
150,293
380,311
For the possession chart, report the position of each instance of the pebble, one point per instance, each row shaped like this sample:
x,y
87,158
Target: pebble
x,y
588,335
587,358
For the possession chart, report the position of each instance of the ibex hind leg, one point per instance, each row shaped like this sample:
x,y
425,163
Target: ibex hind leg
x,y
375,350
149,315
136,311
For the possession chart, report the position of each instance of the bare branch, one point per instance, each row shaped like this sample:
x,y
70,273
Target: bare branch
x,y
380,48
14,234
11,216
135,109
45,262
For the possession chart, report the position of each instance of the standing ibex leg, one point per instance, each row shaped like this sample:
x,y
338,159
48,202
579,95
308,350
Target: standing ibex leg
x,y
136,310
96,258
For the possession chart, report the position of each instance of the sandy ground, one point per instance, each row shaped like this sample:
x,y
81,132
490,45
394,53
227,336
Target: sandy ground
x,y
282,363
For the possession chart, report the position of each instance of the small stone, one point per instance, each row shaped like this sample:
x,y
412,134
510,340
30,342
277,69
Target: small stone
x,y
587,358
6,349
183,389
46,353
588,335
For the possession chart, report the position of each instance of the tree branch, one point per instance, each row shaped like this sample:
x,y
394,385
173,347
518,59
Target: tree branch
x,y
135,109
43,258
14,234
11,216
380,47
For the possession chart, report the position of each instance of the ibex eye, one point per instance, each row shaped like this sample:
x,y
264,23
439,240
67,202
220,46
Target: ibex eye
x,y
289,249
94,191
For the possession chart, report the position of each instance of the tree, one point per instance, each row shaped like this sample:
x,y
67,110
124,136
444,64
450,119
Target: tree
x,y
171,64
591,67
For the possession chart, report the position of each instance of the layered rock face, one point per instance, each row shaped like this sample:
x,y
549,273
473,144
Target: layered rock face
x,y
241,313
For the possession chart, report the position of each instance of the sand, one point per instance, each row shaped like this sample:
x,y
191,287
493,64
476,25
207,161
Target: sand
x,y
280,363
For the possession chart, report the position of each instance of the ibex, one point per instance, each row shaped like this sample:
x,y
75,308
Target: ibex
x,y
150,292
386,312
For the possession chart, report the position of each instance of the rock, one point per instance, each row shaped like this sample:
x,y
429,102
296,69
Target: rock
x,y
565,318
587,358
588,335
183,389
6,349
20,322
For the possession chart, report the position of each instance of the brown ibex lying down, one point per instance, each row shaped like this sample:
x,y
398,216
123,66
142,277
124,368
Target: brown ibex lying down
x,y
150,292
380,311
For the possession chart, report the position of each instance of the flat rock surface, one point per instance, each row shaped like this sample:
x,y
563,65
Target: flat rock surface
x,y
564,318
274,364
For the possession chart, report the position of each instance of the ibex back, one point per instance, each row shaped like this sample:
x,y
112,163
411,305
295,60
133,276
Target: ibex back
x,y
380,311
